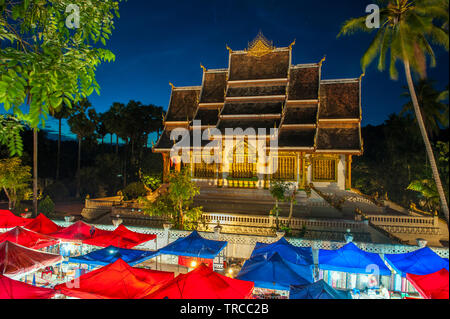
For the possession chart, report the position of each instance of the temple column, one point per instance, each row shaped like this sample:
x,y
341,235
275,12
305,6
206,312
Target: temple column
x,y
348,172
166,167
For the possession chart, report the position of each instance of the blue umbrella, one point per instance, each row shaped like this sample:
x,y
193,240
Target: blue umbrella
x,y
318,290
274,272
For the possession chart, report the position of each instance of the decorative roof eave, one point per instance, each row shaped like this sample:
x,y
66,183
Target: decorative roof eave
x,y
172,123
261,81
247,116
305,65
255,98
294,126
339,121
314,101
210,105
331,81
179,88
161,150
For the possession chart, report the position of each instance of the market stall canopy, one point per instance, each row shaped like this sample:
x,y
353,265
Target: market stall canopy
x,y
28,238
423,261
79,232
317,290
9,220
43,225
115,281
289,252
194,245
432,286
121,237
13,289
17,261
351,259
274,272
105,256
203,283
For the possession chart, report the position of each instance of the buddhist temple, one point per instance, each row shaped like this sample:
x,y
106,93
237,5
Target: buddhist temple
x,y
318,121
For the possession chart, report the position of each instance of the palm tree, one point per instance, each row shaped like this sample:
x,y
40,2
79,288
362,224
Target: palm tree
x,y
60,113
81,125
434,112
406,27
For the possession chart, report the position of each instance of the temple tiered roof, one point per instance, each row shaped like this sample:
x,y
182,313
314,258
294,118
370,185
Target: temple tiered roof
x,y
262,89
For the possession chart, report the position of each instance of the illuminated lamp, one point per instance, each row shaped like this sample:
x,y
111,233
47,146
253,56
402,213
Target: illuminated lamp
x,y
193,264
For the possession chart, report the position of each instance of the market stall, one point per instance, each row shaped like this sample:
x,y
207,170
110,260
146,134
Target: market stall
x,y
423,261
73,237
9,220
432,286
105,256
353,268
317,290
203,283
13,289
301,256
28,238
115,281
274,273
43,225
194,250
17,261
121,237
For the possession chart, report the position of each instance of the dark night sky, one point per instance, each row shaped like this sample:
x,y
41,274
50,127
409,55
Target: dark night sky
x,y
156,42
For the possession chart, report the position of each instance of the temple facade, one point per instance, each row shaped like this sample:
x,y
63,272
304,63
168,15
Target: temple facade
x,y
317,122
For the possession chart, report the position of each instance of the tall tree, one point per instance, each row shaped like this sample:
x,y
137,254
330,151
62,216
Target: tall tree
x,y
60,113
82,126
406,27
49,56
434,110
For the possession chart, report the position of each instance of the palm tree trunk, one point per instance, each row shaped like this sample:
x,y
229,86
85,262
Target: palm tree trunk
x,y
58,154
35,172
77,195
423,131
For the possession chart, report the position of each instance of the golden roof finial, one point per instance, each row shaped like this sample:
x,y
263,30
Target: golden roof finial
x,y
362,75
229,49
291,45
204,69
323,60
173,86
260,46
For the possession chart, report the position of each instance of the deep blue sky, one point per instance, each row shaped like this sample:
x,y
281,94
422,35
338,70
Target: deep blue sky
x,y
156,42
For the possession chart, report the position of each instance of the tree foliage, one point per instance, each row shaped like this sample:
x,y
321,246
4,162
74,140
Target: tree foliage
x,y
43,62
176,203
15,180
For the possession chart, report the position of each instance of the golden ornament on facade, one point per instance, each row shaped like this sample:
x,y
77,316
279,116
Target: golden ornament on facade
x,y
260,46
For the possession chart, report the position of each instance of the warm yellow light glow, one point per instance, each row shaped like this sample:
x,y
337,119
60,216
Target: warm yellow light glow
x,y
230,271
193,264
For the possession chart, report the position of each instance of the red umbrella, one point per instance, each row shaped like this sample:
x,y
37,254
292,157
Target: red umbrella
x,y
9,220
204,283
43,225
115,281
432,286
16,260
121,237
28,238
13,289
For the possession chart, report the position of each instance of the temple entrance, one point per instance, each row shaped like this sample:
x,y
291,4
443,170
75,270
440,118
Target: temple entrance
x,y
243,166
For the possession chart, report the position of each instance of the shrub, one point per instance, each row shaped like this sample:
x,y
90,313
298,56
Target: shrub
x,y
57,191
134,191
46,206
